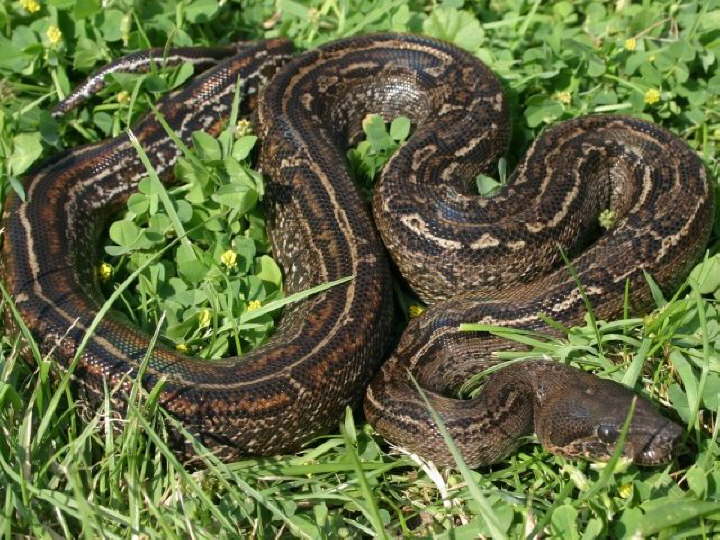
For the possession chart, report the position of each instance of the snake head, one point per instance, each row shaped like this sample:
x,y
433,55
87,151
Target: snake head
x,y
585,419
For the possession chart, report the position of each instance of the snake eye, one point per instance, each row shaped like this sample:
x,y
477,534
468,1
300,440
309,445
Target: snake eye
x,y
607,434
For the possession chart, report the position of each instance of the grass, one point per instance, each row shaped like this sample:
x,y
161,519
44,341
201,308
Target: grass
x,y
66,472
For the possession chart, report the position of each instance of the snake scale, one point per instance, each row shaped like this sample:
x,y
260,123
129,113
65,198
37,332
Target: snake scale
x,y
490,260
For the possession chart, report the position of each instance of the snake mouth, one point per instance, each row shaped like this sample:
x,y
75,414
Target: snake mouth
x,y
644,446
657,447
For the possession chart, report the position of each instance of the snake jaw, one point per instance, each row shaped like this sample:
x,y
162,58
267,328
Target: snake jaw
x,y
658,446
583,417
641,447
590,448
651,438
645,444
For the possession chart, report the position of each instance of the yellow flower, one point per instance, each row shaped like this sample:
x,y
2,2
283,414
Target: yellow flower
x,y
243,127
53,34
229,258
204,318
415,311
631,44
607,218
563,97
181,347
123,97
652,96
625,490
105,271
253,305
31,6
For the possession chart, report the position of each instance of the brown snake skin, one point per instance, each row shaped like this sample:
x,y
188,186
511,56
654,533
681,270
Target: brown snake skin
x,y
503,252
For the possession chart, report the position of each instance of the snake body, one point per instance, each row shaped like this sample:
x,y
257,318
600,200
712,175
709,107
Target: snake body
x,y
326,349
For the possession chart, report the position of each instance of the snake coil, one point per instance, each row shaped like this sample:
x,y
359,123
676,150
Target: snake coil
x,y
488,260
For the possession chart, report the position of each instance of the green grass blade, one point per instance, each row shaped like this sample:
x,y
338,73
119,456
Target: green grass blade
x,y
162,193
248,316
485,509
372,508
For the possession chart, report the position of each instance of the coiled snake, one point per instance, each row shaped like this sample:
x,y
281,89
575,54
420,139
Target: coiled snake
x,y
501,254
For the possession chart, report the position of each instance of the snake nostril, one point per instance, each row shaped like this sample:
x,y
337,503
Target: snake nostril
x,y
607,434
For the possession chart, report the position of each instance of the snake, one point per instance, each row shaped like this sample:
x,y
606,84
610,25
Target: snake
x,y
493,260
